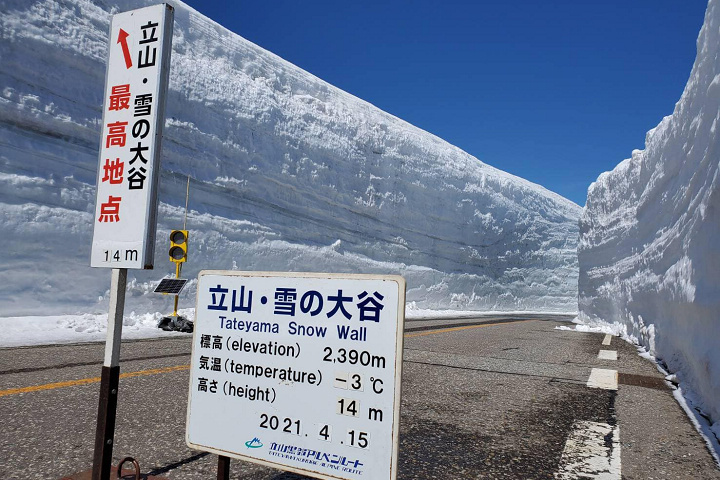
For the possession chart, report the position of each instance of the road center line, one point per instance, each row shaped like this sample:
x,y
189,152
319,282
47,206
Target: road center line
x,y
607,355
603,378
608,338
87,381
455,329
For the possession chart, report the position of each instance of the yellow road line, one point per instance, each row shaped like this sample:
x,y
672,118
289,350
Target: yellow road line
x,y
87,381
155,371
455,329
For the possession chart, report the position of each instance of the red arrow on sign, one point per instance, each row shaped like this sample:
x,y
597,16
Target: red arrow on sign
x,y
122,40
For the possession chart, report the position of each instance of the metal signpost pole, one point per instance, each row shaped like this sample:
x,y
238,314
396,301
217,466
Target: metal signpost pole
x,y
110,378
127,181
223,472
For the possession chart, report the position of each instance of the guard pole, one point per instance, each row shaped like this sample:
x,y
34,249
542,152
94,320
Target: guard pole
x,y
109,379
187,199
178,269
178,266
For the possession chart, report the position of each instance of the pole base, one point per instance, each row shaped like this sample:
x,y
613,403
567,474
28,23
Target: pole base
x,y
126,474
173,323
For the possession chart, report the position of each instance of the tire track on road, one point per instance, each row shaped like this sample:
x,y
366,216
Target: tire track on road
x,y
435,329
439,327
88,364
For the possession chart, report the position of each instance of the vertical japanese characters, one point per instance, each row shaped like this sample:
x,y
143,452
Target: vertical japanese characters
x,y
136,80
116,144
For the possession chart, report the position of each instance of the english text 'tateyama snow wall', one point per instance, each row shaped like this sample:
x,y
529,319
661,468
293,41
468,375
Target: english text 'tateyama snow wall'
x,y
650,232
288,173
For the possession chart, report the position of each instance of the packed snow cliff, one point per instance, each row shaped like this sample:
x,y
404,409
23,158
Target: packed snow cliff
x,y
650,232
287,173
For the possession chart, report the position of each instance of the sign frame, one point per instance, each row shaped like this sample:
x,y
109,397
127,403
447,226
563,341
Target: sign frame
x,y
395,364
117,243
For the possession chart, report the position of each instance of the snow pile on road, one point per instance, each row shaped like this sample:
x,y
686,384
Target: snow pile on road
x,y
80,328
649,235
288,173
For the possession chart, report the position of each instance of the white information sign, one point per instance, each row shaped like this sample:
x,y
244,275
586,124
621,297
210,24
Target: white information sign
x,y
133,118
299,371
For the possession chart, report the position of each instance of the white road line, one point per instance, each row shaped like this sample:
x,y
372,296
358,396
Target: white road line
x,y
592,451
607,339
607,355
603,378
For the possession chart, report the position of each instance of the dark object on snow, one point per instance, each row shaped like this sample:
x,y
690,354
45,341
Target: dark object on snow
x,y
178,324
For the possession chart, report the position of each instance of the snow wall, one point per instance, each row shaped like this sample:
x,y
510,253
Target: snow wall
x,y
288,173
650,232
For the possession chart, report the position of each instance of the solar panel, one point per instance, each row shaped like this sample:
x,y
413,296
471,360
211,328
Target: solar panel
x,y
171,285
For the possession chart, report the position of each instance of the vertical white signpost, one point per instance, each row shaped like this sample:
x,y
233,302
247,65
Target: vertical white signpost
x,y
128,171
133,119
299,371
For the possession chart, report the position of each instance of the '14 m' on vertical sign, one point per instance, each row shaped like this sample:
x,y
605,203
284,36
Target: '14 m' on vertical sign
x,y
133,118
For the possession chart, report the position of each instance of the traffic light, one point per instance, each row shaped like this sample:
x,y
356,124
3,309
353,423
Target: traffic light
x,y
178,246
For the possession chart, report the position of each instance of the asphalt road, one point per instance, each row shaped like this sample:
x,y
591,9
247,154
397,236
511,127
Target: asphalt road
x,y
482,398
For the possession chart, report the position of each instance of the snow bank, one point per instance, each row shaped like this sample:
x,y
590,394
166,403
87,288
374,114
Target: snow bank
x,y
287,173
80,328
648,248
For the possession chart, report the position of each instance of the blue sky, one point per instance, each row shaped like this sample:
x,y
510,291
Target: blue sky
x,y
554,91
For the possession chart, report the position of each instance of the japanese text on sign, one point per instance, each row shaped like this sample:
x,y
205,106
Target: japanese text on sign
x,y
133,117
306,367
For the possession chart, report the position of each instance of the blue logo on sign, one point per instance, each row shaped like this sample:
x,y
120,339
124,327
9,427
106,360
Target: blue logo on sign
x,y
254,443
